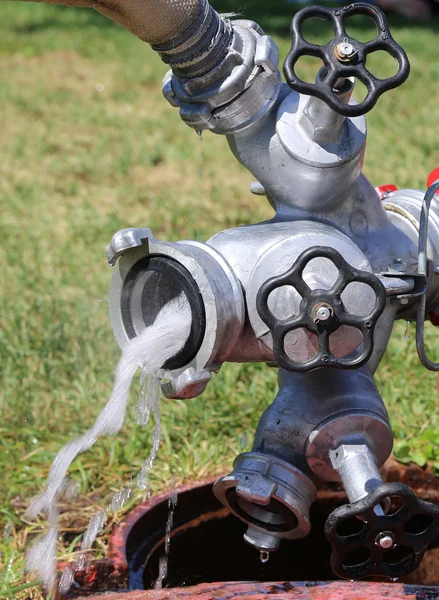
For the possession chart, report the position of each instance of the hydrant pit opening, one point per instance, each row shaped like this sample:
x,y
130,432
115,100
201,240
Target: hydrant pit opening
x,y
207,545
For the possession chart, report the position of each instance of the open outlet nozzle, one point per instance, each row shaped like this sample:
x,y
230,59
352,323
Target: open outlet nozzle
x,y
149,274
271,496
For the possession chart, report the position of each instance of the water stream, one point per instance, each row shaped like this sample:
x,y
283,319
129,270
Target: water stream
x,y
150,350
163,563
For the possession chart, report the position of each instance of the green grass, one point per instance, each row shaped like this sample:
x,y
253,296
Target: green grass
x,y
89,146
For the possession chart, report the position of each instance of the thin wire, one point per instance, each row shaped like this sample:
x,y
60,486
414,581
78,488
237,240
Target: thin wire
x,y
422,270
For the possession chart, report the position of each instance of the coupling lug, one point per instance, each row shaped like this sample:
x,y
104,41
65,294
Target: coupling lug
x,y
126,239
256,489
189,384
267,55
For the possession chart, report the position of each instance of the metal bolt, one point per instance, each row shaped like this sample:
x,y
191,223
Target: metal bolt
x,y
322,313
345,51
385,539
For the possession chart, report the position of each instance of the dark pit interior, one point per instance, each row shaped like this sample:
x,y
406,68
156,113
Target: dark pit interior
x,y
207,546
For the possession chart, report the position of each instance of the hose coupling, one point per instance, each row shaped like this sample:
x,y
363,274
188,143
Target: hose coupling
x,y
271,496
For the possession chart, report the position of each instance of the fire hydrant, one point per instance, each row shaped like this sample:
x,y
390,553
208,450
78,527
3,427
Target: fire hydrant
x,y
315,291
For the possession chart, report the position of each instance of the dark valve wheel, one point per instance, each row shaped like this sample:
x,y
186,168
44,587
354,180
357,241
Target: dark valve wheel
x,y
367,543
321,312
344,57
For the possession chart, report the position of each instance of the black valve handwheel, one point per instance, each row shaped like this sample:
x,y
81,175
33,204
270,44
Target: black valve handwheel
x,y
367,543
313,302
344,57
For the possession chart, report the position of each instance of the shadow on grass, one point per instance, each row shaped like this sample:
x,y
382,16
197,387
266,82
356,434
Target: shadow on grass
x,y
274,16
83,18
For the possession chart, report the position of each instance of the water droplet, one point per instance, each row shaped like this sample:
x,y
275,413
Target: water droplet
x,y
395,579
264,556
120,498
407,330
200,135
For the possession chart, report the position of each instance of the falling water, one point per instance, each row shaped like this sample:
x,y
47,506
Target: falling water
x,y
95,526
163,563
200,172
149,401
151,349
152,396
41,557
407,330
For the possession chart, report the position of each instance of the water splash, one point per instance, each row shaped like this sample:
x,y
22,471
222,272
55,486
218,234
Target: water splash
x,y
95,526
120,498
66,580
151,350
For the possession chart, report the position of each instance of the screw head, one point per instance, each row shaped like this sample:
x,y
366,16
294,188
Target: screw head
x,y
385,540
322,312
347,49
344,51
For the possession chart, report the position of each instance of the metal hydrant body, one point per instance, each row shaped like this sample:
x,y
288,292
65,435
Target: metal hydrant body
x,y
315,291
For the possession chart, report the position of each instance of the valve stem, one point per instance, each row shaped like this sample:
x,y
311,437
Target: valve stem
x,y
358,470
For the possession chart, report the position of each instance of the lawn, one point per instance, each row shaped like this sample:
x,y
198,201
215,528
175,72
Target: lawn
x,y
89,146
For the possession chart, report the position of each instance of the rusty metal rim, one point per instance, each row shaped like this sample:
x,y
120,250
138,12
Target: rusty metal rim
x,y
119,537
287,590
115,566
